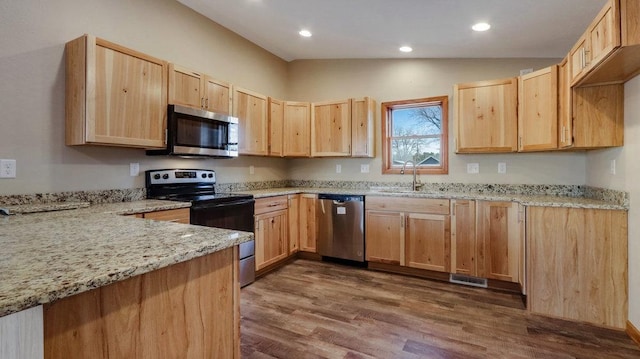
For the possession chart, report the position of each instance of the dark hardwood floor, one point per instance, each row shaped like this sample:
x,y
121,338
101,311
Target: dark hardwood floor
x,y
311,309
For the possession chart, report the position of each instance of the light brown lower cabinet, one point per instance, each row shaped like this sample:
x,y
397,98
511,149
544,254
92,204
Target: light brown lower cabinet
x,y
294,222
412,232
187,310
464,250
271,230
499,236
180,215
307,226
578,264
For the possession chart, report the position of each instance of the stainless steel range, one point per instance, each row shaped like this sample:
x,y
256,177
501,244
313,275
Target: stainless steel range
x,y
208,208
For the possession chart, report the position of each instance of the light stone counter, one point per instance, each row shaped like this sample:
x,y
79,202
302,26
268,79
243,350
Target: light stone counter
x,y
527,200
52,255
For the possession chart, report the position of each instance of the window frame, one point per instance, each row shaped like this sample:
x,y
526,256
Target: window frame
x,y
387,107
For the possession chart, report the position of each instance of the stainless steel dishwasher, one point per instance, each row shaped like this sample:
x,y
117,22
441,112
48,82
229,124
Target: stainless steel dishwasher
x,y
341,226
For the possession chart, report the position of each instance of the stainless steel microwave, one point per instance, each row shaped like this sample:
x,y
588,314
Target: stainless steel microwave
x,y
193,132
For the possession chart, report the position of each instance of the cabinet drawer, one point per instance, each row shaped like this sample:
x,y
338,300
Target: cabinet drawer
x,y
404,204
269,204
180,215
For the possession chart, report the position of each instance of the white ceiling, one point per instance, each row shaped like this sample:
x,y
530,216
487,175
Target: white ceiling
x,y
377,28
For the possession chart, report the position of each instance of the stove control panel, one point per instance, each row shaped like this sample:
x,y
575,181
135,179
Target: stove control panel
x,y
160,177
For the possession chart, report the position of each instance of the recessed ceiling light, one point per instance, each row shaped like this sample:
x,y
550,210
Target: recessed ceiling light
x,y
305,33
405,49
481,26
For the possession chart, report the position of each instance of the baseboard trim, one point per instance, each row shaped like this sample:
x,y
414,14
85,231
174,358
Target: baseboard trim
x,y
633,332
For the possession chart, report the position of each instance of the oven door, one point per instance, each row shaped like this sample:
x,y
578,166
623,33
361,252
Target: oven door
x,y
236,215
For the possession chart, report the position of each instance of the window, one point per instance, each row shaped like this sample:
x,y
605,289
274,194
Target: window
x,y
416,131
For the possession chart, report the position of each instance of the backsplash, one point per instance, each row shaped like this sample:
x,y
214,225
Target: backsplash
x,y
135,194
93,197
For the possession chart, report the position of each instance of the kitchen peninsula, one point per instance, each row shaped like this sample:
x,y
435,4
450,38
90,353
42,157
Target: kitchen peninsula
x,y
101,275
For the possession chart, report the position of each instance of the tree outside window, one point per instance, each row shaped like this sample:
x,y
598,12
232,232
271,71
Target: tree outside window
x,y
416,131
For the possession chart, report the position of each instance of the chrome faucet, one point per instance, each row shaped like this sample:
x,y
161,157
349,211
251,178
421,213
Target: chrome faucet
x,y
415,185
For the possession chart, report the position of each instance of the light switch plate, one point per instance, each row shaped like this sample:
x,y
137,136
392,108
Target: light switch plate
x,y
252,170
612,167
7,168
338,168
134,169
473,168
502,167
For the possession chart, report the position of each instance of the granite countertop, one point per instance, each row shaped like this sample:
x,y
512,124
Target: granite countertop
x,y
51,255
527,200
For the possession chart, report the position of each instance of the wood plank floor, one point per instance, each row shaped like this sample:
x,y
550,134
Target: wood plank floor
x,y
311,309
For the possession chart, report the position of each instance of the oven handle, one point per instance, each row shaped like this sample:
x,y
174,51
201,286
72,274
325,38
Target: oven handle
x,y
225,204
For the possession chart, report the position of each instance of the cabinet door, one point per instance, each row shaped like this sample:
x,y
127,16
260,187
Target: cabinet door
x,y
499,240
294,222
114,95
599,116
538,110
362,127
486,116
185,87
297,129
604,33
271,238
331,129
578,59
428,242
276,122
181,215
217,96
385,237
577,264
463,237
565,120
251,110
308,223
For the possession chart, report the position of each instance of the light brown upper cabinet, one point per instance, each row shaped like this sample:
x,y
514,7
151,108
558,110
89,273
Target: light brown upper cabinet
x,y
362,127
195,89
253,124
538,110
331,129
297,129
114,95
565,121
589,117
609,50
486,116
276,122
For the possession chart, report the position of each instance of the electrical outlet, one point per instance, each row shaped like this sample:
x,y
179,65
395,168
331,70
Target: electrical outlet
x,y
134,169
7,168
502,167
364,168
252,170
473,168
525,71
338,168
612,167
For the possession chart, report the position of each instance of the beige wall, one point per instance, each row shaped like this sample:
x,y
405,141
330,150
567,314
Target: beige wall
x,y
387,80
627,178
32,87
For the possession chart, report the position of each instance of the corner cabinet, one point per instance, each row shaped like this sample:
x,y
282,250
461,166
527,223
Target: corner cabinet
x,y
115,96
195,89
538,110
485,116
253,124
331,129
